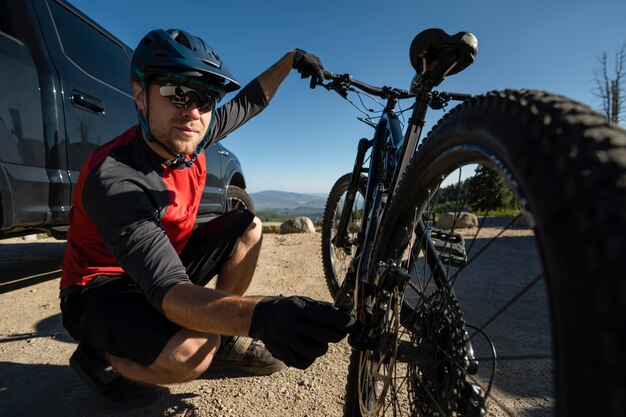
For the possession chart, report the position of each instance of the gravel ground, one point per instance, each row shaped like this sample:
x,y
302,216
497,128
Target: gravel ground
x,y
35,379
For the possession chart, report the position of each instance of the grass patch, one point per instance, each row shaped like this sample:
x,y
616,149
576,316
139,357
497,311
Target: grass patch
x,y
271,216
512,212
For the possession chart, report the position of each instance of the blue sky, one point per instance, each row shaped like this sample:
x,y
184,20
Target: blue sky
x,y
307,138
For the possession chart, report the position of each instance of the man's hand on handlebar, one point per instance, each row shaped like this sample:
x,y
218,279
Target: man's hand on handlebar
x,y
308,65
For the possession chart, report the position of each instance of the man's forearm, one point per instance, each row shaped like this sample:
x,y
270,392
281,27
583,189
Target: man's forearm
x,y
271,78
208,310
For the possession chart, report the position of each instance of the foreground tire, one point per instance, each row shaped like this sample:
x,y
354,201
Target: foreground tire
x,y
556,318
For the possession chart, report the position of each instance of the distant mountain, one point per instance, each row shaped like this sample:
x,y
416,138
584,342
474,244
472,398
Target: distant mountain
x,y
290,204
265,200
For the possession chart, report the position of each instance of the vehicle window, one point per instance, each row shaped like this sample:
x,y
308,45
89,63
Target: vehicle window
x,y
90,49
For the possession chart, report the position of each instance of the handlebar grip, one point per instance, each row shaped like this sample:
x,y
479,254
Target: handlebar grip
x,y
459,96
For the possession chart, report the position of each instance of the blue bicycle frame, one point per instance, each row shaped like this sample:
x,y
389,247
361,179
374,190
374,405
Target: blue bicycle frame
x,y
387,149
391,152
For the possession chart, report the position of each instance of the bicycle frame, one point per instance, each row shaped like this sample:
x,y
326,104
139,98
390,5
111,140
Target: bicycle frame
x,y
390,155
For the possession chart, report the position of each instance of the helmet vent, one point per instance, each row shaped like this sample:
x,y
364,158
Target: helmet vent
x,y
182,39
213,64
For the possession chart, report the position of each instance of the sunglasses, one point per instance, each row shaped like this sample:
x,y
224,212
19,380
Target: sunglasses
x,y
183,96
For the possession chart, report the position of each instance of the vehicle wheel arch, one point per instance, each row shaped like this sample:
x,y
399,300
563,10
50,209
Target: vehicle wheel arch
x,y
236,178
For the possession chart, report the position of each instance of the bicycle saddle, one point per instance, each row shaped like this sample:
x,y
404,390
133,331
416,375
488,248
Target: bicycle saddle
x,y
435,54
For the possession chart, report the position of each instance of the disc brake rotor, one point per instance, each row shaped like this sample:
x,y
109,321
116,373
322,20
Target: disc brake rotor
x,y
377,367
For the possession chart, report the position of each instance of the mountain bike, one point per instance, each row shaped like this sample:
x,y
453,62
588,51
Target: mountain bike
x,y
468,321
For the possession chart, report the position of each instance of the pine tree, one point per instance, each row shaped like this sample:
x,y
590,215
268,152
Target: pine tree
x,y
489,192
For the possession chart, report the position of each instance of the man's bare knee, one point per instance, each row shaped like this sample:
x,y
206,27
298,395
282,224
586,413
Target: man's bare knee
x,y
191,358
253,233
178,362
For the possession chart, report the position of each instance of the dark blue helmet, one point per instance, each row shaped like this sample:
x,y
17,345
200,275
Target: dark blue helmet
x,y
178,53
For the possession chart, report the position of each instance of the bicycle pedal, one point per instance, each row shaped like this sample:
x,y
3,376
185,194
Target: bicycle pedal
x,y
450,246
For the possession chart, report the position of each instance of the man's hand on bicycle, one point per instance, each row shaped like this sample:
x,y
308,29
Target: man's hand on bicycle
x,y
308,65
297,330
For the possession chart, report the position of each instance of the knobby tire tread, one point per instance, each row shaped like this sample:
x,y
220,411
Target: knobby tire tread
x,y
241,194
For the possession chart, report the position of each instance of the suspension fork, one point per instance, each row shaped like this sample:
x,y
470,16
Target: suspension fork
x,y
353,188
349,290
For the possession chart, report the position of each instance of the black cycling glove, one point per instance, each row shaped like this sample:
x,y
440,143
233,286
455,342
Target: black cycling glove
x,y
297,330
309,65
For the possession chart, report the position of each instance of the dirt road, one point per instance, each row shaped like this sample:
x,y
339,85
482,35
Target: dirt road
x,y
35,379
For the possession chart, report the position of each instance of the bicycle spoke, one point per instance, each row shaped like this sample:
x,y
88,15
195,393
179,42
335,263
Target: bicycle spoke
x,y
422,283
484,248
527,357
519,295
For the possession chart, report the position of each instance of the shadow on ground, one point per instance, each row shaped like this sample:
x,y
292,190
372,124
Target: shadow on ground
x,y
55,390
27,264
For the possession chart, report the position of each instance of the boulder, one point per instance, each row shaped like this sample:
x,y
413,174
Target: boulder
x,y
297,225
465,220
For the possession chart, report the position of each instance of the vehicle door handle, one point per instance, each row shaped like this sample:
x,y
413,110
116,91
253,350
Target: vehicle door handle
x,y
90,104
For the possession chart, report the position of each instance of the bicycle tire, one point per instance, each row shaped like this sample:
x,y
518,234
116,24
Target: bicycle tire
x,y
567,165
335,260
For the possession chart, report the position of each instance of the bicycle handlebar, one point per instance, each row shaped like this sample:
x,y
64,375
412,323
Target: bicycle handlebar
x,y
456,96
341,83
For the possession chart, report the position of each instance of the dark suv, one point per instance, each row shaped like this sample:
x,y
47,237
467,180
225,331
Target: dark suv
x,y
66,90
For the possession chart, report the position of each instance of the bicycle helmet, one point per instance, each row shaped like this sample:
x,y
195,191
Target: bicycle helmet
x,y
176,52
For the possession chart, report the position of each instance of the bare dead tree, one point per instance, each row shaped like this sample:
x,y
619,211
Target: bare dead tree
x,y
610,88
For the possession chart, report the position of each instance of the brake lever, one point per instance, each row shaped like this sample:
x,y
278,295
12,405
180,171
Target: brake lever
x,y
335,85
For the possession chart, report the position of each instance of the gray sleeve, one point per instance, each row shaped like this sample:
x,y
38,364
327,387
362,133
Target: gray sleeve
x,y
249,102
129,224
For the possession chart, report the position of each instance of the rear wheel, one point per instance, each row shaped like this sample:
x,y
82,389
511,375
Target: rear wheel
x,y
540,287
336,260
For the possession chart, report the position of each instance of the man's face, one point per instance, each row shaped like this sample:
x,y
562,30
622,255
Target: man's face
x,y
181,129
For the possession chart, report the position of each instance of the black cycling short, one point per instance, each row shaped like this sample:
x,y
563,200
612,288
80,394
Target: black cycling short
x,y
113,315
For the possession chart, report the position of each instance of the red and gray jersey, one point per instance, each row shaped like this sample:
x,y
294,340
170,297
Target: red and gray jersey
x,y
133,215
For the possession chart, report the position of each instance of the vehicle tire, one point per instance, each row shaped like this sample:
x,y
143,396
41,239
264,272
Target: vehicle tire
x,y
559,331
337,260
237,197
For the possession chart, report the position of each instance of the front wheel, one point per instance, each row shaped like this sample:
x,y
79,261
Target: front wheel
x,y
539,294
337,259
